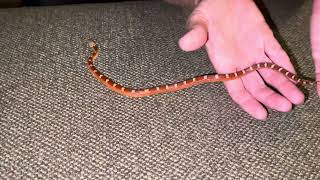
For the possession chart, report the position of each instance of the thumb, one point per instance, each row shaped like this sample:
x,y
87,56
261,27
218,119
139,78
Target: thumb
x,y
196,37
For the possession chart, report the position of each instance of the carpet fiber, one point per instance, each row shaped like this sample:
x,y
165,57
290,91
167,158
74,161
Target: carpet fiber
x,y
58,122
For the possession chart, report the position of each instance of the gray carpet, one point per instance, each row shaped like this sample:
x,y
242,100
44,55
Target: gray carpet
x,y
58,122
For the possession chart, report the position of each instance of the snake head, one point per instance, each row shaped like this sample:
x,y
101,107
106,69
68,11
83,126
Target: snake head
x,y
91,43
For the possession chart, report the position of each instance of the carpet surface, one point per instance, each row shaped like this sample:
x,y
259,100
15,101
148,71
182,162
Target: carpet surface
x,y
58,122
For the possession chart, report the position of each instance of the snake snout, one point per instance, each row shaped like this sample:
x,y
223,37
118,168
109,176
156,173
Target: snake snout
x,y
91,43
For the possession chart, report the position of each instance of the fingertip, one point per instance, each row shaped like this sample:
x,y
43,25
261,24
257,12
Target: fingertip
x,y
194,39
183,43
254,108
260,114
285,107
280,103
298,99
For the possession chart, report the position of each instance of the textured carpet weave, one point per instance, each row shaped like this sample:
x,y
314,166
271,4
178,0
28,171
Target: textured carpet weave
x,y
58,122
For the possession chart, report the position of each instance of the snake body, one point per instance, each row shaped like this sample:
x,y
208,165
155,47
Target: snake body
x,y
184,84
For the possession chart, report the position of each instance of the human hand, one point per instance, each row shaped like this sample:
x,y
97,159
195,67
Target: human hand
x,y
315,39
236,36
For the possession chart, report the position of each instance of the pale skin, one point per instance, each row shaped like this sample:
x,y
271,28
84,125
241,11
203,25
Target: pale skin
x,y
315,39
236,35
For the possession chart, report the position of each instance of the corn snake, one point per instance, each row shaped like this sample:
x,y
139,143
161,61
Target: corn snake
x,y
184,84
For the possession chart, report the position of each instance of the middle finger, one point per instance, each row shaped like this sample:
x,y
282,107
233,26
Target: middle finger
x,y
256,86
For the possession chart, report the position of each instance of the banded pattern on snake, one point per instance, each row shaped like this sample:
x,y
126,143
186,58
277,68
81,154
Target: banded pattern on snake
x,y
184,84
